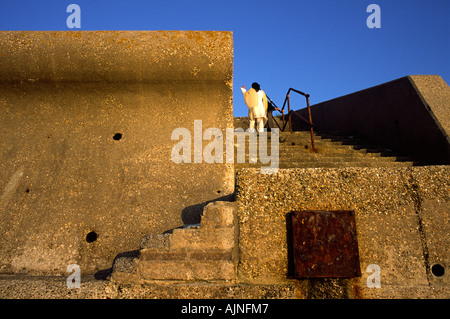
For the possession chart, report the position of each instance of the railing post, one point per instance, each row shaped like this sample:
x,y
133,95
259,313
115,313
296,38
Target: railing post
x,y
310,123
289,113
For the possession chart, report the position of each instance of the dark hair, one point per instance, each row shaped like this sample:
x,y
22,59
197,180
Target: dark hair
x,y
256,86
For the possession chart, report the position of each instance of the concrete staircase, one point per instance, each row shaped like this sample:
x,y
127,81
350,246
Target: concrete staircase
x,y
333,150
203,252
209,250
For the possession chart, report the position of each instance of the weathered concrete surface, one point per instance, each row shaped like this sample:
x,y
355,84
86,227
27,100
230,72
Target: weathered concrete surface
x,y
64,169
410,114
402,226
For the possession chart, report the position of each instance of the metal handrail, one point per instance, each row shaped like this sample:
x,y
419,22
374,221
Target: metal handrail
x,y
290,112
273,103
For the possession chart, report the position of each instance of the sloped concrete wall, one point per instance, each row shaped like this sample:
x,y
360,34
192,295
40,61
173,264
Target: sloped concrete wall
x,y
410,114
402,226
85,141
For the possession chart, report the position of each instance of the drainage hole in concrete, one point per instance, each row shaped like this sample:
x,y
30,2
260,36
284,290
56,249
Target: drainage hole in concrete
x,y
91,237
438,270
117,136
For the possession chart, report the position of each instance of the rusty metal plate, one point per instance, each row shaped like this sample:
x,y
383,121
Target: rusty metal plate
x,y
325,244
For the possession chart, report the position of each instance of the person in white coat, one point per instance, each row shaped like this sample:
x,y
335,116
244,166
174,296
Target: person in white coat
x,y
256,100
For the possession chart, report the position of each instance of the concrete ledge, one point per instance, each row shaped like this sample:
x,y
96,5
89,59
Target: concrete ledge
x,y
186,254
26,287
190,270
218,215
115,56
194,238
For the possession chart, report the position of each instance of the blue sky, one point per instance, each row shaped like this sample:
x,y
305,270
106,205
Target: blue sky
x,y
321,47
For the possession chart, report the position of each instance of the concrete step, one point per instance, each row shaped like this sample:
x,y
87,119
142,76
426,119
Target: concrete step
x,y
283,165
319,143
329,152
344,164
332,149
336,162
337,159
341,159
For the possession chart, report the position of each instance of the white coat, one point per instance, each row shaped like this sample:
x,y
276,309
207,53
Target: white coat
x,y
256,102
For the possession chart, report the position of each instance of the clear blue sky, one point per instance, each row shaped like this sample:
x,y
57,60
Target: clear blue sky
x,y
321,47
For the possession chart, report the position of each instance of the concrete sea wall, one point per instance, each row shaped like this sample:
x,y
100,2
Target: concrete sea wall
x,y
85,141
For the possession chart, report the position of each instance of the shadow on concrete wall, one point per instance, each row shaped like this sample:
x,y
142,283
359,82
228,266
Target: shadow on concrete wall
x,y
193,214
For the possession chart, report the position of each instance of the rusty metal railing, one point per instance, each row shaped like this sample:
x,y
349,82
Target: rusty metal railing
x,y
274,106
290,113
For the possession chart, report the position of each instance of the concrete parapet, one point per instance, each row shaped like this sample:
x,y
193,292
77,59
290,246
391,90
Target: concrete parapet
x,y
401,221
86,122
410,114
115,56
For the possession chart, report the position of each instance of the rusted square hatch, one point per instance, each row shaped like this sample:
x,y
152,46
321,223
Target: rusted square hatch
x,y
325,244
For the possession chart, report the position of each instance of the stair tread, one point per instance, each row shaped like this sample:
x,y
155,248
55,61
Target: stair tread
x,y
333,149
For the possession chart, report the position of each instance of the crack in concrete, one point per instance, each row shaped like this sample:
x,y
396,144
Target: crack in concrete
x,y
418,201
